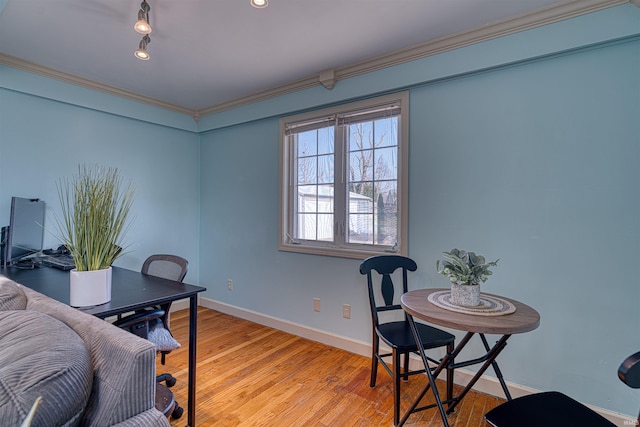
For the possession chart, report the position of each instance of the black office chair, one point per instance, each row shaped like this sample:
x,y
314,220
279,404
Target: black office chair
x,y
397,334
554,409
170,267
153,323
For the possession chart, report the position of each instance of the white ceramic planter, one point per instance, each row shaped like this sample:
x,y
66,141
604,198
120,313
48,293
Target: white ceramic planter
x,y
465,295
88,288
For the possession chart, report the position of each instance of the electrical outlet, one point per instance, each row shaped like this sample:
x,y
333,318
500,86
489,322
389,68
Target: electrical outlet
x,y
229,285
346,311
316,304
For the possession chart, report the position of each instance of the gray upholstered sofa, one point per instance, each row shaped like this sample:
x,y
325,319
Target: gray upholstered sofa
x,y
88,372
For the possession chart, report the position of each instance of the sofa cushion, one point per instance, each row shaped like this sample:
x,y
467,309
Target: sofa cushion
x,y
41,356
11,295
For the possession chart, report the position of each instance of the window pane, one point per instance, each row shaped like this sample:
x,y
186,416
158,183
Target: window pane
x,y
325,140
361,165
360,229
386,131
373,174
315,165
307,198
307,226
307,173
360,204
360,136
307,143
325,169
325,198
325,227
361,209
315,227
386,163
386,213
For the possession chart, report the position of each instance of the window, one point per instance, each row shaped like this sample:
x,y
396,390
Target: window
x,y
343,179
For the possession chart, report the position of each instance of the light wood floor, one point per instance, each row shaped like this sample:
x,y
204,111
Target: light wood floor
x,y
252,375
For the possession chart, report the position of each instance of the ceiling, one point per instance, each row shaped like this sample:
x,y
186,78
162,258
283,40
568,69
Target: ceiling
x,y
206,54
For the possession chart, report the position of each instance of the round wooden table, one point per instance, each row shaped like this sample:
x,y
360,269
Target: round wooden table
x,y
524,319
416,304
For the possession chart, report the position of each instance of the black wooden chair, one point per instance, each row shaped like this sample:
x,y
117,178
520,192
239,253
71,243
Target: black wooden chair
x,y
397,334
554,409
153,323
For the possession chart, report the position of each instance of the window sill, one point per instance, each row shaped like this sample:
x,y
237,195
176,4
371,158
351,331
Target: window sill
x,y
355,253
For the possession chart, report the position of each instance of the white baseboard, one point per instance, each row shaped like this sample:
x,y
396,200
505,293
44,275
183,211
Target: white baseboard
x,y
485,384
182,304
338,341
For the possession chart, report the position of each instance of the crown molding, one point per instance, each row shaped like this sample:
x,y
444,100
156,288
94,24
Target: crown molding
x,y
560,12
262,95
556,13
34,68
549,15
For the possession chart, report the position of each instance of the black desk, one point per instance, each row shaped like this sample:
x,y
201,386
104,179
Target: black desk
x,y
130,290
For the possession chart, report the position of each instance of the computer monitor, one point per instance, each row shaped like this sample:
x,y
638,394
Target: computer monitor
x,y
25,234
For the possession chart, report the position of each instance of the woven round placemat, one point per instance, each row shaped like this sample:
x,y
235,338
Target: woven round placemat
x,y
489,305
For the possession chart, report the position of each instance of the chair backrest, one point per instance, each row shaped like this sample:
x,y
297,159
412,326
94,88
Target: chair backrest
x,y
629,371
385,266
172,267
165,266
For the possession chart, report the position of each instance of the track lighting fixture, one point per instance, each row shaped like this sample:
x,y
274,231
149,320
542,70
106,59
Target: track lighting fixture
x,y
259,3
143,26
142,53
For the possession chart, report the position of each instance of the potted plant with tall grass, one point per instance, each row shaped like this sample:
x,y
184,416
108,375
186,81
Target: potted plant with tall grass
x,y
95,205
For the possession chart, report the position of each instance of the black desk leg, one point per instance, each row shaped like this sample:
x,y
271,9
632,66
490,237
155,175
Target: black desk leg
x,y
193,325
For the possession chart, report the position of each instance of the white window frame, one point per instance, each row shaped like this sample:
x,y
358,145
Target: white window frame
x,y
287,170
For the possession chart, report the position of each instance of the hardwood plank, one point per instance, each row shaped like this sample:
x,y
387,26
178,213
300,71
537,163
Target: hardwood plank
x,y
252,375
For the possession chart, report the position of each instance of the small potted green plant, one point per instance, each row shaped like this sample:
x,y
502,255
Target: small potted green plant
x,y
466,271
95,205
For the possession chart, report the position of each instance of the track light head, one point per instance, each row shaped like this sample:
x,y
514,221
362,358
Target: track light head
x,y
143,26
142,53
259,3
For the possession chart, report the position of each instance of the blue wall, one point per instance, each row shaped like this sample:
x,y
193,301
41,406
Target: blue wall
x,y
523,148
42,140
537,165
